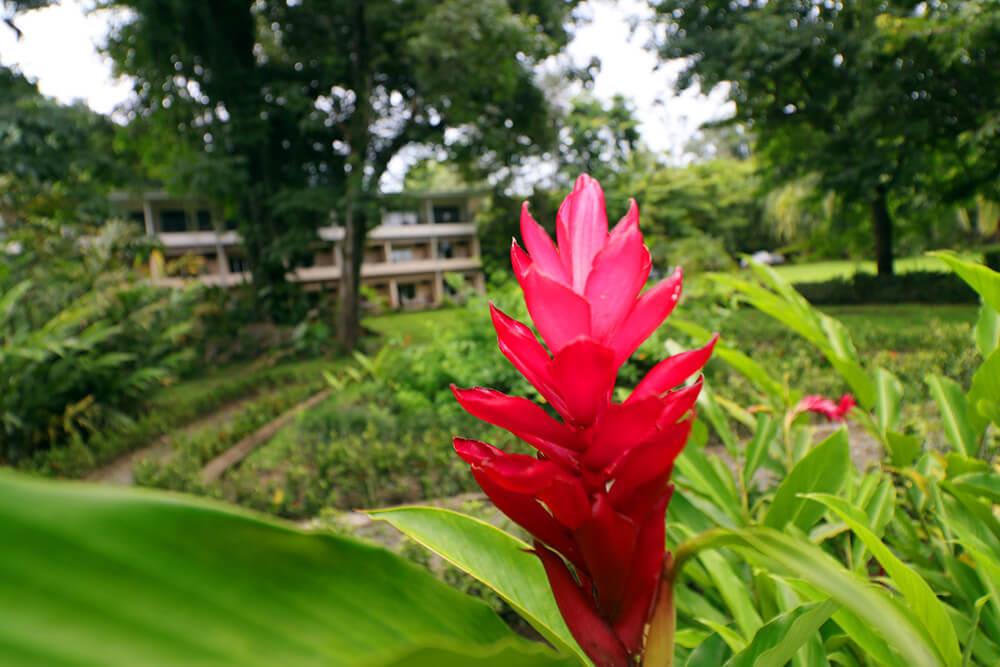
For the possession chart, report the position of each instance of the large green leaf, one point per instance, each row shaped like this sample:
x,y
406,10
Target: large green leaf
x,y
918,594
877,613
758,447
504,655
984,394
707,477
110,577
495,558
980,278
776,643
824,470
733,592
889,394
710,653
955,417
987,330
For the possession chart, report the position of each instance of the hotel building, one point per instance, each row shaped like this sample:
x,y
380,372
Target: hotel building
x,y
421,238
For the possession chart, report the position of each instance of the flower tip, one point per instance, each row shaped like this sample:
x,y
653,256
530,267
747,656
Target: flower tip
x,y
583,180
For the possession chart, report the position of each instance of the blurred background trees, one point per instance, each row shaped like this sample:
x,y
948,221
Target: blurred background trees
x,y
304,105
884,102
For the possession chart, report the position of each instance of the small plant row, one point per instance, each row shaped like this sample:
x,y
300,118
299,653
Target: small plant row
x,y
168,410
181,470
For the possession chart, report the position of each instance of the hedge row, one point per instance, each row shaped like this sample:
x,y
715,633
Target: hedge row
x,y
867,288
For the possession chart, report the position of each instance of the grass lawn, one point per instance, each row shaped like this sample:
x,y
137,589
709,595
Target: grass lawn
x,y
418,326
817,272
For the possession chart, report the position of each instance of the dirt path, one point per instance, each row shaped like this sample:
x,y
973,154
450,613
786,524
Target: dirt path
x,y
119,471
214,469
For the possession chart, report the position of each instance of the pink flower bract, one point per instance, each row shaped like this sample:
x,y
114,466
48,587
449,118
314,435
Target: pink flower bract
x,y
595,495
826,407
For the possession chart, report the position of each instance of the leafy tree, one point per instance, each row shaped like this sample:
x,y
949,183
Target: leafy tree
x,y
56,161
309,102
718,199
597,138
880,99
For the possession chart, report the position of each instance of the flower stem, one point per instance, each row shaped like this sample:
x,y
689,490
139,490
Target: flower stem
x,y
663,625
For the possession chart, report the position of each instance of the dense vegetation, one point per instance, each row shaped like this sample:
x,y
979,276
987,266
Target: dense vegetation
x,y
862,130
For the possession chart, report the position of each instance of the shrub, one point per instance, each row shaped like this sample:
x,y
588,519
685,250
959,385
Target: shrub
x,y
913,287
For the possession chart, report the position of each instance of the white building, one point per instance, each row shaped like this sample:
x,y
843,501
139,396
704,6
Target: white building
x,y
421,238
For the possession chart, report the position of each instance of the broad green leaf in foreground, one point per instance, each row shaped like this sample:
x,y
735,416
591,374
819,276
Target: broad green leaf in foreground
x,y
775,644
119,578
504,655
918,594
495,558
824,469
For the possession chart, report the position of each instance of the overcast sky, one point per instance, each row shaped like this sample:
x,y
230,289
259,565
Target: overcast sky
x,y
59,49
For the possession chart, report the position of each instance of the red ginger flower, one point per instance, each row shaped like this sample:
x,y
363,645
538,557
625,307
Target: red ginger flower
x,y
835,412
596,495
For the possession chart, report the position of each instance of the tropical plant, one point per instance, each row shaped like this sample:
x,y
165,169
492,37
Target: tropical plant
x,y
82,337
783,550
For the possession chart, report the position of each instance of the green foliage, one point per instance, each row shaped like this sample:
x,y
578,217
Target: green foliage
x,y
881,103
910,287
251,91
168,581
500,561
56,161
82,338
720,199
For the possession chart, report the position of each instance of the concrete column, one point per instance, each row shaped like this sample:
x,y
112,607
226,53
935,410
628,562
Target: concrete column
x,y
220,250
147,217
480,282
222,257
393,294
434,248
388,251
438,288
475,247
428,211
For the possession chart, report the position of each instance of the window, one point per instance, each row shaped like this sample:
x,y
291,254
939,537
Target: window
x,y
446,250
173,220
402,255
397,218
231,225
447,214
237,265
407,292
204,219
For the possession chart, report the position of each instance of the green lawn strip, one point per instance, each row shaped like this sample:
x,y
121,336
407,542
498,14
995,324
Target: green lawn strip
x,y
816,272
419,327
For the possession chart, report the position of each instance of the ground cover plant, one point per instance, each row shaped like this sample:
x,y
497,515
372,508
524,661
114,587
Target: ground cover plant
x,y
892,564
82,336
170,408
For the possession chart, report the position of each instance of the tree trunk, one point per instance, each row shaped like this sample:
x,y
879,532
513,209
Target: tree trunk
x,y
349,293
882,227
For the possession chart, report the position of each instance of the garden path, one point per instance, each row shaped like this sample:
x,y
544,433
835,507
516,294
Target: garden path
x,y
119,471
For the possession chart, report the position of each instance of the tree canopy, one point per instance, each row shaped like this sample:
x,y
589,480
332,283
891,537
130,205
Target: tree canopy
x,y
57,160
879,99
304,105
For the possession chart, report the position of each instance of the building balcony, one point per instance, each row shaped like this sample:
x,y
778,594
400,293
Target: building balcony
x,y
202,240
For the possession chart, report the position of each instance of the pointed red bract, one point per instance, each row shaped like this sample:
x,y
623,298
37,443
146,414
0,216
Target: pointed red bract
x,y
824,406
596,494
